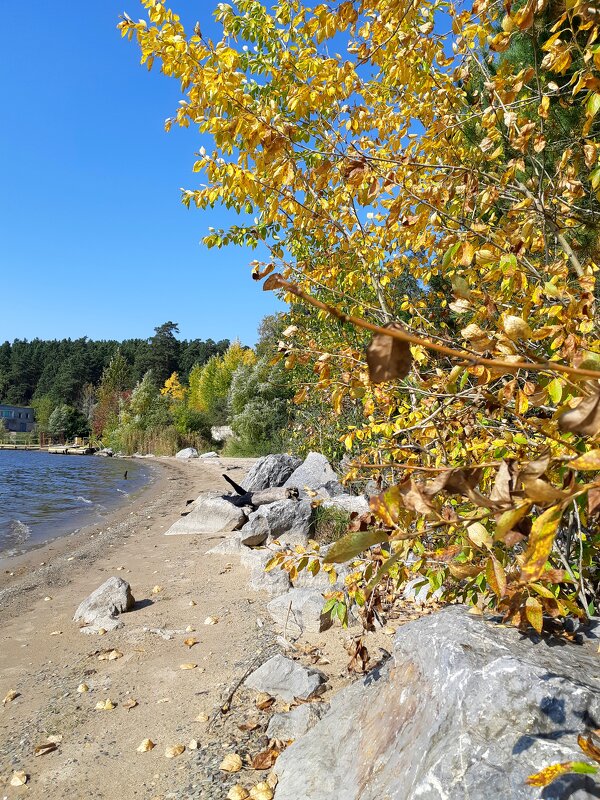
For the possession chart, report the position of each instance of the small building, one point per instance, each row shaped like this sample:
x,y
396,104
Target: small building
x,y
19,419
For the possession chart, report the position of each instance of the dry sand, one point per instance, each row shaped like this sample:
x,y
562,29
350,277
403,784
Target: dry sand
x,y
44,657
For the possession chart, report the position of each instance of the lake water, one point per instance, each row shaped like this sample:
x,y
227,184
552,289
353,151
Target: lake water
x,y
44,495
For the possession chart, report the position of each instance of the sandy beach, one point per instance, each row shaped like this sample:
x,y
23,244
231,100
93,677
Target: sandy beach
x,y
45,658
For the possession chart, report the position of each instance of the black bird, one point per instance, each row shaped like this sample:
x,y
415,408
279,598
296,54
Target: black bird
x,y
125,475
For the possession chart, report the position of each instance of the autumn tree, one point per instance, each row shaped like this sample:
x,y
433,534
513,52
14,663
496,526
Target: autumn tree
x,y
442,230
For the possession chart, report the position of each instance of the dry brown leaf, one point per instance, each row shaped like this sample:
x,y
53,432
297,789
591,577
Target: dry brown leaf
x,y
19,778
262,791
231,763
10,696
131,703
584,418
157,589
45,748
266,759
238,792
83,687
211,621
192,603
110,655
146,745
190,642
389,359
516,328
250,725
105,705
272,780
174,751
188,666
263,701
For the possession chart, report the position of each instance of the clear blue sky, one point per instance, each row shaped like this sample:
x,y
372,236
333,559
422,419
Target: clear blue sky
x,y
93,238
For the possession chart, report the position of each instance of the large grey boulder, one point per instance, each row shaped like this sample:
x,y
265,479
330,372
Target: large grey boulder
x,y
256,531
314,472
228,546
274,582
287,520
299,610
464,709
210,513
210,454
102,608
281,677
187,453
349,503
297,722
271,471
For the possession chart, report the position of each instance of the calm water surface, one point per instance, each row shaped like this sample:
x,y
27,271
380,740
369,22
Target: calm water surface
x,y
44,495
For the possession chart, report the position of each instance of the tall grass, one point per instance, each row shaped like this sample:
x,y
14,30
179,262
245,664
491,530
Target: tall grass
x,y
163,441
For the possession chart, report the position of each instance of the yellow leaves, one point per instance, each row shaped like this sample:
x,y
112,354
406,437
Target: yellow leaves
x,y
211,620
188,666
588,461
238,792
516,328
523,19
10,696
19,778
495,576
479,535
110,655
541,540
534,613
146,746
174,751
231,763
105,705
190,642
546,776
82,688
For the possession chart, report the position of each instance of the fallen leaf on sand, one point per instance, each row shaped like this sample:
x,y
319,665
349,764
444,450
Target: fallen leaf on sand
x,y
238,792
263,701
211,621
188,666
250,725
388,630
44,749
83,687
266,759
146,745
105,705
131,703
163,700
20,778
190,629
193,745
272,780
55,738
101,631
176,750
56,633
192,603
46,599
10,696
157,589
190,642
110,655
262,791
202,717
231,763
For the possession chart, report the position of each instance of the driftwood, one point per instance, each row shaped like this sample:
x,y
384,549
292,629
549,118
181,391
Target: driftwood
x,y
259,498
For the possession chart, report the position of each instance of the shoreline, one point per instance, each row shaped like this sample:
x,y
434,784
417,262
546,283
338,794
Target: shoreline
x,y
46,564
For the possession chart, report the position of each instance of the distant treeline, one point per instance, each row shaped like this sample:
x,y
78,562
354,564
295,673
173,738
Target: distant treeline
x,y
61,371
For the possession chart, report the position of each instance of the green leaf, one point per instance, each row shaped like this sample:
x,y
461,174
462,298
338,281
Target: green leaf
x,y
592,105
595,178
384,569
352,544
555,390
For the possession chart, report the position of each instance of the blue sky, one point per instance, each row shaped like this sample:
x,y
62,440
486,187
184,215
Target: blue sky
x,y
93,238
